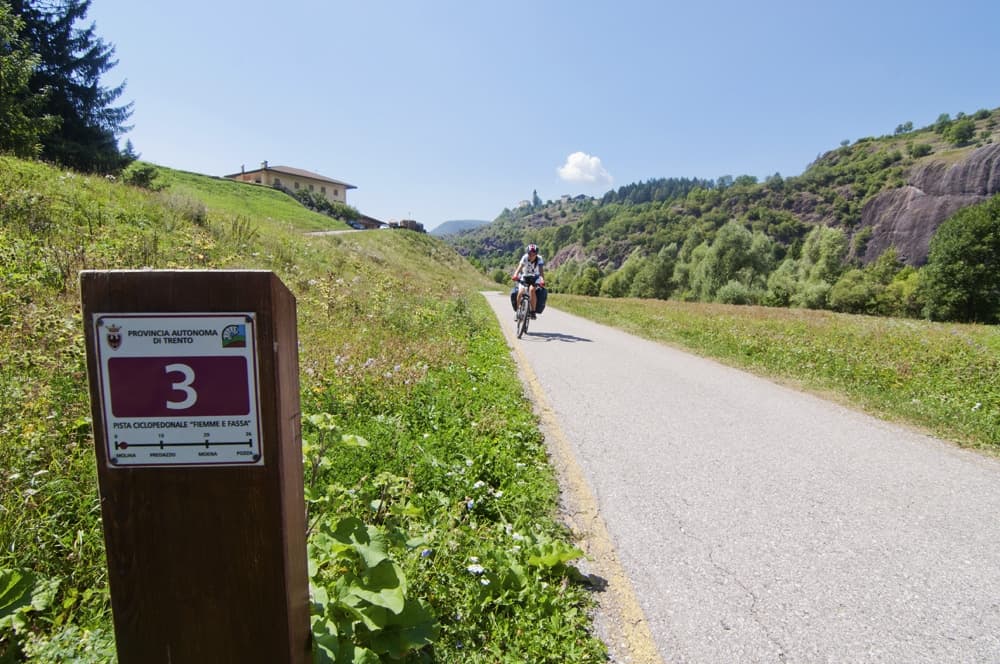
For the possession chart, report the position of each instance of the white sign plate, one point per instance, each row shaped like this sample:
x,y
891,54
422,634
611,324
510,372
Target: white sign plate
x,y
179,389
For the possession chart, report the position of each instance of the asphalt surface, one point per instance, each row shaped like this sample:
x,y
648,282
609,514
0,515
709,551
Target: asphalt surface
x,y
757,523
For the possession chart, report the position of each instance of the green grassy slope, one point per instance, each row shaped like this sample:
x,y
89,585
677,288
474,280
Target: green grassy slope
x,y
229,198
393,349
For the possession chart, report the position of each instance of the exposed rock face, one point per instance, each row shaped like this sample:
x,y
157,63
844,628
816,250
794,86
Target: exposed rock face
x,y
573,252
907,218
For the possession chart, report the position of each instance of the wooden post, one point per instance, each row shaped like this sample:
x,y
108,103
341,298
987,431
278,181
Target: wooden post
x,y
195,397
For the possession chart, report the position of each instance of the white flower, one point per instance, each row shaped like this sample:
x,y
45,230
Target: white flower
x,y
473,559
977,406
484,581
479,485
476,569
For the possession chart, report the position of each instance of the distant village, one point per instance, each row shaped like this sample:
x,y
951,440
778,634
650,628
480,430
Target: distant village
x,y
294,180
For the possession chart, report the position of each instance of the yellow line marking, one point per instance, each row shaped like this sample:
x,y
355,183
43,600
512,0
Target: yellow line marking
x,y
586,522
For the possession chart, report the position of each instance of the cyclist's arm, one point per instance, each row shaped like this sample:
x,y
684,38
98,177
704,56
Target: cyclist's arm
x,y
517,272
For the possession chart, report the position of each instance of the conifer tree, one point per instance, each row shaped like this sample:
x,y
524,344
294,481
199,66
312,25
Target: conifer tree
x,y
22,123
71,63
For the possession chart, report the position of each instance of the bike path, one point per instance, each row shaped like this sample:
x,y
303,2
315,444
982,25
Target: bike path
x,y
756,523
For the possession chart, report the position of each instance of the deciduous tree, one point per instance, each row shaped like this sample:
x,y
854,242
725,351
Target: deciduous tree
x,y
961,280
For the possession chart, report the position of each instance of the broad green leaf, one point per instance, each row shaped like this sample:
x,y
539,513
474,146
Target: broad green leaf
x,y
553,554
375,618
323,421
15,590
318,594
352,654
411,630
383,585
44,594
407,509
367,541
326,641
352,440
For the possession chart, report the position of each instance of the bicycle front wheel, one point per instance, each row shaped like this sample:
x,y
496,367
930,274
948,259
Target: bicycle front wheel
x,y
522,317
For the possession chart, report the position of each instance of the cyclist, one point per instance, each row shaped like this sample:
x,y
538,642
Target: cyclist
x,y
531,265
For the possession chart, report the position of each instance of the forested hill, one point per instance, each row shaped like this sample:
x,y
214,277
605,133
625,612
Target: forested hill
x,y
879,197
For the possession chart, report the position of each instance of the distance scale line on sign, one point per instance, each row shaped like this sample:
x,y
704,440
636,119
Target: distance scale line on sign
x,y
173,383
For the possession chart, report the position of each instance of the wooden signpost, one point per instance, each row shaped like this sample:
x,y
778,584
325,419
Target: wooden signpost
x,y
195,397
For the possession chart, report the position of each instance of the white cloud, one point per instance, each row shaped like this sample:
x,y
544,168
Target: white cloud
x,y
583,168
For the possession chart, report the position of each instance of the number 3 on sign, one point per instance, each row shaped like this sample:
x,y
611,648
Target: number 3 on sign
x,y
183,386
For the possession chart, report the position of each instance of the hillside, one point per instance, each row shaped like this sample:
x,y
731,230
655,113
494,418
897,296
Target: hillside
x,y
457,226
410,402
875,195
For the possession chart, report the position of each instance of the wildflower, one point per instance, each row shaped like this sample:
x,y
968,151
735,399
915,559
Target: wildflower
x,y
426,553
469,504
476,569
479,485
484,581
977,406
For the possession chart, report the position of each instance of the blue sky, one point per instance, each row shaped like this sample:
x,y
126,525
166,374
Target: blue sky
x,y
441,110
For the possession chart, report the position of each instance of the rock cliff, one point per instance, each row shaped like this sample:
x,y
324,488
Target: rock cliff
x,y
907,218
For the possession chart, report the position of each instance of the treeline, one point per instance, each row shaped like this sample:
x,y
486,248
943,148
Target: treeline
x,y
737,265
53,105
661,189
